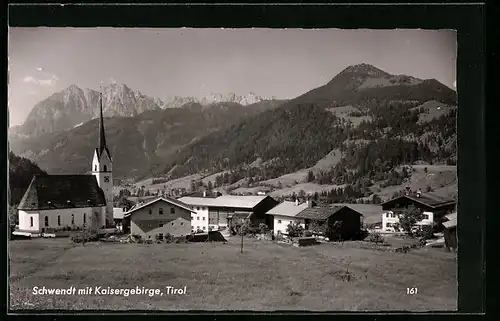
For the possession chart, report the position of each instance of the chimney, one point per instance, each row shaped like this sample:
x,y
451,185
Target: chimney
x,y
204,193
296,202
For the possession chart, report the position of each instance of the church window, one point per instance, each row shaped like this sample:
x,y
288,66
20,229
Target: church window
x,y
84,218
182,223
172,210
72,218
95,168
173,223
160,210
150,211
105,168
31,221
46,221
59,220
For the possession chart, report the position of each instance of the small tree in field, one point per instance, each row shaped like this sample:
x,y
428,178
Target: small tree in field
x,y
409,217
294,229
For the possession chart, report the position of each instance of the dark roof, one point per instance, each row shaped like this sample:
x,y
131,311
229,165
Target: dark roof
x,y
427,199
322,212
62,191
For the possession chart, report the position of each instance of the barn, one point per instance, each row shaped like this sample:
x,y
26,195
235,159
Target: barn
x,y
342,221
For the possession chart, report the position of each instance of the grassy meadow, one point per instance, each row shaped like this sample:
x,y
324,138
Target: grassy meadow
x,y
267,276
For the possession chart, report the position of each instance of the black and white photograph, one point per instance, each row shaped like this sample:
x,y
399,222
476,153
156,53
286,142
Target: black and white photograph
x,y
220,169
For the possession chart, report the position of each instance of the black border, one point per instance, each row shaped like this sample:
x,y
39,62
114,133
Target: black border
x,y
469,20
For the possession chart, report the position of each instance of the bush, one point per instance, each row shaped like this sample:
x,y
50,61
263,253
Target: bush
x,y
264,229
425,233
168,238
375,238
294,229
85,236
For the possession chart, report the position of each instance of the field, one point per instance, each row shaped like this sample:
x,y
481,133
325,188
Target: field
x,y
267,276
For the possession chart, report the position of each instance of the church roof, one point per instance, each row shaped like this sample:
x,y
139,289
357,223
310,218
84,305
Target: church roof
x,y
62,191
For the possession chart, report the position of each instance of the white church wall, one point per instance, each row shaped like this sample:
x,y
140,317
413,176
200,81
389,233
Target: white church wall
x,y
25,220
61,218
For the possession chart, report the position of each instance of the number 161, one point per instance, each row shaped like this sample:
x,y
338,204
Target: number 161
x,y
411,291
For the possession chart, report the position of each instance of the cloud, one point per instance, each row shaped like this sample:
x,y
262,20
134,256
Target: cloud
x,y
49,81
112,80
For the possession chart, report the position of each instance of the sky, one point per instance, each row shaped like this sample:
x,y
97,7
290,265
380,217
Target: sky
x,y
283,63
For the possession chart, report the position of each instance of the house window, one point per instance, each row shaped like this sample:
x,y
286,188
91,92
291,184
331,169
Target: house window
x,y
279,221
105,168
204,227
72,218
198,218
203,217
173,223
150,211
84,218
426,217
388,225
46,221
31,221
182,223
160,210
59,220
388,214
160,224
160,236
172,210
393,215
198,208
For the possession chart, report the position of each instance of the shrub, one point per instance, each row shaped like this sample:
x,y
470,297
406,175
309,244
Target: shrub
x,y
375,238
410,216
264,229
294,229
425,233
85,236
168,238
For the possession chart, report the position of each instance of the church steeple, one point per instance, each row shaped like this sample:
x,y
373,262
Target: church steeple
x,y
102,136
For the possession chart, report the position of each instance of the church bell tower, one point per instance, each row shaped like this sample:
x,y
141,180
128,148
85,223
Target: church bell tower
x,y
102,169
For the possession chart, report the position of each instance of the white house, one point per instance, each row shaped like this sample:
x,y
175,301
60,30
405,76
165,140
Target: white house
x,y
58,201
284,214
390,220
433,208
215,213
160,216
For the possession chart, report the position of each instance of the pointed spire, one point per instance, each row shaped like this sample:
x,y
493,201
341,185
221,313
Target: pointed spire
x,y
102,137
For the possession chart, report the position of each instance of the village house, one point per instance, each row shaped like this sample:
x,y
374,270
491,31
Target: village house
x,y
342,221
433,208
160,217
53,202
285,213
215,213
450,231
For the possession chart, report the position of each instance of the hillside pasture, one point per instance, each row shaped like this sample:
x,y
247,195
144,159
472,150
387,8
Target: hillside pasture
x,y
267,276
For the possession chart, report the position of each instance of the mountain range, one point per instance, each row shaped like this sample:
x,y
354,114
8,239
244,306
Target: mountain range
x,y
74,106
364,114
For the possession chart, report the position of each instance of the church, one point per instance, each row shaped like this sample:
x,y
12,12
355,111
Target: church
x,y
54,202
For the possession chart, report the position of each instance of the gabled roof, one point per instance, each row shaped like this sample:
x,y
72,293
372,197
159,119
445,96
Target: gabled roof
x,y
233,201
165,199
426,199
62,191
323,212
287,208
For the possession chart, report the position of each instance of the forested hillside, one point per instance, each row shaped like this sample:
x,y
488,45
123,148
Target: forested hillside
x,y
21,172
